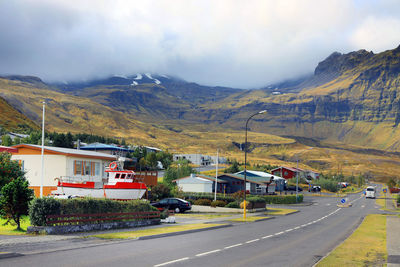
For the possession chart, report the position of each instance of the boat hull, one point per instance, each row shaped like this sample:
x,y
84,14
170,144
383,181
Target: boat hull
x,y
123,194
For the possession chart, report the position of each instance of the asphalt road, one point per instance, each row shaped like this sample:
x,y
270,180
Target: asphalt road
x,y
299,239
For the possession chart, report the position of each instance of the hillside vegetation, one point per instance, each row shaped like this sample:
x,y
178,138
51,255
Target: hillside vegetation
x,y
348,107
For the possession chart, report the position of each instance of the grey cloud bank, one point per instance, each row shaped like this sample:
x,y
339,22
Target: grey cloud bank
x,y
244,44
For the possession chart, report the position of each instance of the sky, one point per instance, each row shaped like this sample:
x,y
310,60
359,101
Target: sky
x,y
240,44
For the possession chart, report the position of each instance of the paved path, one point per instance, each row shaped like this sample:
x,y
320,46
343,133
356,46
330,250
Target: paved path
x,y
393,240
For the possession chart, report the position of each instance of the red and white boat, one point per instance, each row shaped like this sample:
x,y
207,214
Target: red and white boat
x,y
121,184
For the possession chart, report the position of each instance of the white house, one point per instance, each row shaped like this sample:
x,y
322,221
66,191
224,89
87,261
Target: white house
x,y
59,163
198,183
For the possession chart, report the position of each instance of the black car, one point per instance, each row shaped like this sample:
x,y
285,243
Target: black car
x,y
175,204
293,188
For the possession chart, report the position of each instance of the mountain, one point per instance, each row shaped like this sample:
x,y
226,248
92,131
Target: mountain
x,y
351,102
358,102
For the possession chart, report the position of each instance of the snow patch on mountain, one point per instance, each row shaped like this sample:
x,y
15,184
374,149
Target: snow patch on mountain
x,y
120,76
134,83
138,76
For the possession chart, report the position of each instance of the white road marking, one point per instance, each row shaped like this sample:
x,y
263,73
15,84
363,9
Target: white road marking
x,y
251,241
328,204
268,236
362,206
304,225
289,230
208,252
233,246
297,227
170,262
279,233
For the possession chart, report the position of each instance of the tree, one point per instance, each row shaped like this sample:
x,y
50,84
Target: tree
x,y
173,173
160,191
6,140
233,168
9,169
14,200
151,160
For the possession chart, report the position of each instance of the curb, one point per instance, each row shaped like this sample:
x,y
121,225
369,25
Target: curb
x,y
5,255
183,232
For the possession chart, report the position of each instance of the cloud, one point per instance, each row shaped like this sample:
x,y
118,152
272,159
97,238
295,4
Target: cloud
x,y
231,43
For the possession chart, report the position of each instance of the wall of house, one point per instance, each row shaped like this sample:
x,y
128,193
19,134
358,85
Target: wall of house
x,y
206,187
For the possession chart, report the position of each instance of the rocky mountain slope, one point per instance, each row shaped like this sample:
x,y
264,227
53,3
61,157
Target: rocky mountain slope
x,y
352,98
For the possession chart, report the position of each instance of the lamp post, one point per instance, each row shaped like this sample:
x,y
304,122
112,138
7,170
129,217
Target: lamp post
x,y
297,174
42,154
245,162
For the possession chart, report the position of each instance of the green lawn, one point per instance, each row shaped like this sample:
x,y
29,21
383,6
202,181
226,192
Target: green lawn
x,y
11,229
365,247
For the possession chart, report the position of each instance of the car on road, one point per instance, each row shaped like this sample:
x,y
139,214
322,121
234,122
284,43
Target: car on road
x,y
370,192
175,204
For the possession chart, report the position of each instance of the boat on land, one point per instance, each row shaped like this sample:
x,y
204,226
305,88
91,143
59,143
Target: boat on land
x,y
120,185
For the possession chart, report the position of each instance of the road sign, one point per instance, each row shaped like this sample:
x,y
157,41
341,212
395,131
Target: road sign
x,y
343,200
384,190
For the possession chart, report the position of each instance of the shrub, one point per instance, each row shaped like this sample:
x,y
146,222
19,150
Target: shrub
x,y
203,202
160,191
218,203
210,196
249,205
398,199
328,184
41,207
289,199
234,205
14,200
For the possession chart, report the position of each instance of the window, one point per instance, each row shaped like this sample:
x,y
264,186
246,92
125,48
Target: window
x,y
86,168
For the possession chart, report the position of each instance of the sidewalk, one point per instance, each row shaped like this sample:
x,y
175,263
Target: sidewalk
x,y
393,240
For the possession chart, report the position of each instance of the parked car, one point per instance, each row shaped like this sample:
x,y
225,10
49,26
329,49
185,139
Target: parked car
x,y
175,204
315,188
293,188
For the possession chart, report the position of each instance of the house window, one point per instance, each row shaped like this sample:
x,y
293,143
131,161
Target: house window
x,y
86,168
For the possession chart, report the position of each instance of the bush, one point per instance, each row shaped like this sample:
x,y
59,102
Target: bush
x,y
210,196
327,184
14,199
203,202
398,199
160,191
257,202
233,205
41,207
218,203
290,199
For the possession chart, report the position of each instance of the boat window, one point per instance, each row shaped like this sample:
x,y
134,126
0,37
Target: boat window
x,y
117,175
128,176
123,176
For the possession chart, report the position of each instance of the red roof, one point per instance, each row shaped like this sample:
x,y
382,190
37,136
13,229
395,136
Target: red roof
x,y
8,149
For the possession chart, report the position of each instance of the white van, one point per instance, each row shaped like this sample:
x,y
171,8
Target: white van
x,y
370,192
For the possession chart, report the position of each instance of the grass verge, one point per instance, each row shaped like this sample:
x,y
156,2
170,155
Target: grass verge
x,y
249,219
11,229
365,247
157,231
202,216
274,211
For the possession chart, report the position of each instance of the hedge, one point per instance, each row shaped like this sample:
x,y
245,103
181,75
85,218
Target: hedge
x,y
234,205
210,196
287,199
398,199
218,203
40,207
203,202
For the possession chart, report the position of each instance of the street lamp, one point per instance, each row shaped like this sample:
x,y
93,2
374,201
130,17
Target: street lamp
x,y
245,162
297,174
